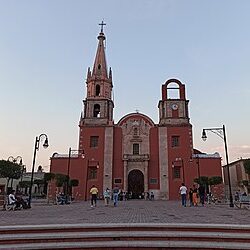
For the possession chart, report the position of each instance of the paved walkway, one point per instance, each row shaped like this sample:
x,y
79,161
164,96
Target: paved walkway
x,y
133,211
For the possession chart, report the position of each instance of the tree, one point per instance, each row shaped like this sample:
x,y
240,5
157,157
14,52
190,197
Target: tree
x,y
203,180
39,182
208,181
247,166
10,170
61,179
73,183
245,182
24,184
48,177
214,180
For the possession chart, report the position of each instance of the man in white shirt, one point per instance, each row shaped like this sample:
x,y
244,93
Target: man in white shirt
x,y
183,192
12,198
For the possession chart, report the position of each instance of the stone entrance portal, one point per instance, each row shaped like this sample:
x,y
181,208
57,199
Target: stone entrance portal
x,y
136,183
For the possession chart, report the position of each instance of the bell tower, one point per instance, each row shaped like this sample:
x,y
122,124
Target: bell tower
x,y
173,108
98,105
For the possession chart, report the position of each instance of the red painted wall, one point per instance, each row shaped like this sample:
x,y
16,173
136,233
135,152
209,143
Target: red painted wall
x,y
117,157
153,168
93,157
184,151
76,171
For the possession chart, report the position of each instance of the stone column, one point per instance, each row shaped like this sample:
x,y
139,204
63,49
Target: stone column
x,y
125,176
163,163
146,176
108,158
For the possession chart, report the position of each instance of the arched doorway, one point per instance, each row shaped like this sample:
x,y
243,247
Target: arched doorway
x,y
136,184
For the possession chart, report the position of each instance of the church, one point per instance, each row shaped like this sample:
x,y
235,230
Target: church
x,y
134,154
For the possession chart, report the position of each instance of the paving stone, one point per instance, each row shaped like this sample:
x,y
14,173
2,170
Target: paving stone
x,y
133,211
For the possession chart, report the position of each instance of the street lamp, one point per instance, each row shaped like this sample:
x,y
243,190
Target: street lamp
x,y
15,160
198,165
221,132
36,148
69,159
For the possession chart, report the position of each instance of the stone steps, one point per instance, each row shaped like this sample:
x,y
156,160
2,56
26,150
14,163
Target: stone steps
x,y
125,236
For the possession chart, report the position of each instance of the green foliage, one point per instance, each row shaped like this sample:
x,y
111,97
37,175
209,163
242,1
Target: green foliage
x,y
215,180
247,166
48,177
61,179
24,184
74,183
10,170
245,182
204,180
38,182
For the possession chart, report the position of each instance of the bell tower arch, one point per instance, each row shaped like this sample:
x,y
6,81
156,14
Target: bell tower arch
x,y
173,108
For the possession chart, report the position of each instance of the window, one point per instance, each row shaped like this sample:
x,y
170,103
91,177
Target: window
x,y
97,110
135,149
97,90
175,141
135,131
176,172
153,181
94,141
92,173
117,180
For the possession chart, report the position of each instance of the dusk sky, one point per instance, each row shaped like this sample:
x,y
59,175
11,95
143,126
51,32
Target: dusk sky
x,y
46,47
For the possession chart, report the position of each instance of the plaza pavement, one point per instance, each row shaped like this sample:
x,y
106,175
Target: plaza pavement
x,y
132,211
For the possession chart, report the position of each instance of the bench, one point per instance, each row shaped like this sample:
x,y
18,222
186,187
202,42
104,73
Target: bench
x,y
243,202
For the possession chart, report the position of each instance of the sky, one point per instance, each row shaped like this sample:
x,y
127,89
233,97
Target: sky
x,y
46,47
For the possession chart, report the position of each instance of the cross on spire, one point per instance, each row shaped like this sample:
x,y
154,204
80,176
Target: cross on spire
x,y
102,24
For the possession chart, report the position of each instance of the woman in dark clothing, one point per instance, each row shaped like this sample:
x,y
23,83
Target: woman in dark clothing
x,y
190,194
195,196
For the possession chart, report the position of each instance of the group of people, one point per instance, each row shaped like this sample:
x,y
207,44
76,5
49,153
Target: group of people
x,y
107,195
238,194
17,200
193,194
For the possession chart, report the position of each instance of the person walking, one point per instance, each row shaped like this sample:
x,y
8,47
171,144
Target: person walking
x,y
183,192
190,194
93,191
195,196
201,190
107,195
115,195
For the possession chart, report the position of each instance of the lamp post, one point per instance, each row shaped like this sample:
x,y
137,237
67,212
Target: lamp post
x,y
221,132
198,166
15,160
23,171
68,169
36,148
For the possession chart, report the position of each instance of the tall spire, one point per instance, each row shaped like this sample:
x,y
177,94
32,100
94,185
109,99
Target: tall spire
x,y
100,65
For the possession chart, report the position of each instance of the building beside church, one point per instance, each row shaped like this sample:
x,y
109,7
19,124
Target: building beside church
x,y
240,179
135,154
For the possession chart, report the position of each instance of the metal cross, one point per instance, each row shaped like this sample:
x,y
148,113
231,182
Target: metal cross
x,y
102,24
